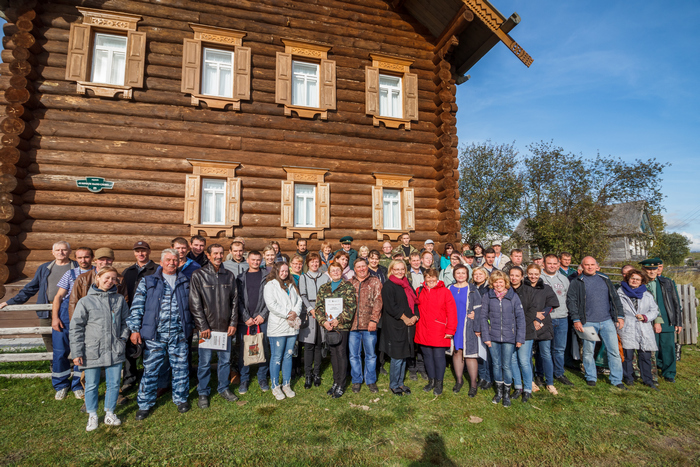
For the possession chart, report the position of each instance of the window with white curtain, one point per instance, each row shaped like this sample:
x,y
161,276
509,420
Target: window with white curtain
x,y
392,209
109,59
304,205
213,201
390,99
305,90
217,72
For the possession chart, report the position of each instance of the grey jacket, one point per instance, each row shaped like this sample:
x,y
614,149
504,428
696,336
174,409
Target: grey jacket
x,y
560,285
98,330
309,284
636,334
236,268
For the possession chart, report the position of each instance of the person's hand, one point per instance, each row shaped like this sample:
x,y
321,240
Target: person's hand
x,y
258,320
3,305
135,338
78,361
657,328
205,334
538,325
639,316
249,322
471,315
406,320
477,334
334,323
578,326
231,331
292,315
372,326
312,312
448,336
413,320
56,325
488,343
679,329
518,344
620,323
540,315
328,326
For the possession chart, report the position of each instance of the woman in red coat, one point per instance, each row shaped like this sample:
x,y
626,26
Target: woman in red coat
x,y
435,329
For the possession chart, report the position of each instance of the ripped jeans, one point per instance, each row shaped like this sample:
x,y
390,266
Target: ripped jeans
x,y
281,351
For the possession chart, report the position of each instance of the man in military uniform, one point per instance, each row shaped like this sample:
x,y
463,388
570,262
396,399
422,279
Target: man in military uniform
x,y
346,242
670,319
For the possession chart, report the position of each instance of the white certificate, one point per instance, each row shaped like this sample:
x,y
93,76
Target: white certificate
x,y
217,341
334,307
588,334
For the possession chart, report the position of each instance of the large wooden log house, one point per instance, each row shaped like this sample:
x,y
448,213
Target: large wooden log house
x,y
270,119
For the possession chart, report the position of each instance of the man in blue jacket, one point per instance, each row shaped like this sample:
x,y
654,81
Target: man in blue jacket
x,y
160,317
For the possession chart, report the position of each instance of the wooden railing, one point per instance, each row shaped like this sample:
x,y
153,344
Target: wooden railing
x,y
33,330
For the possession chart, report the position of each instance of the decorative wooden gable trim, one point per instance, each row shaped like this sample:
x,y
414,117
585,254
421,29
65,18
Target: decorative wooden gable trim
x,y
81,43
408,216
226,39
193,196
313,53
307,176
388,64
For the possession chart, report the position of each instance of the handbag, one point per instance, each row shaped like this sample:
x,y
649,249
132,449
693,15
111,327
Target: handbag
x,y
253,348
333,338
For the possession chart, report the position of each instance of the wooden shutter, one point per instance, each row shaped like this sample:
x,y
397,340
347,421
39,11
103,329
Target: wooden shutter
x,y
78,52
323,205
191,66
192,195
410,101
409,212
287,203
135,59
233,202
283,84
328,84
241,73
377,208
372,90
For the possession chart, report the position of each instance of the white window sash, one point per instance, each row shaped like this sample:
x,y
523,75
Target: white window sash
x,y
304,205
217,75
390,96
213,205
109,60
305,84
391,209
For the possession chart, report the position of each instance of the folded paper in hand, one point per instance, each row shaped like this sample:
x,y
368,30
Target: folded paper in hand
x,y
589,334
217,341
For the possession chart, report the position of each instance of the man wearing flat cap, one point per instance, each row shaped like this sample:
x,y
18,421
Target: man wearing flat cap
x,y
346,243
104,257
670,319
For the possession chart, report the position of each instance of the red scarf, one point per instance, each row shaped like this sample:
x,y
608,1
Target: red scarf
x,y
408,290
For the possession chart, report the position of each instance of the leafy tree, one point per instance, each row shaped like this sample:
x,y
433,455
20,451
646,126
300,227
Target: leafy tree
x,y
490,190
673,248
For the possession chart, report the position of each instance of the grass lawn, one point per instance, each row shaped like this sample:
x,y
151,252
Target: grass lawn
x,y
581,426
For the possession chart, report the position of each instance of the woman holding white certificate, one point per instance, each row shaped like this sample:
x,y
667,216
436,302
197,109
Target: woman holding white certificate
x,y
336,304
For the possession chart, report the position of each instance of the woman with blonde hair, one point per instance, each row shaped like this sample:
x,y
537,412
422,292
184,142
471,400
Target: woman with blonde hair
x,y
326,254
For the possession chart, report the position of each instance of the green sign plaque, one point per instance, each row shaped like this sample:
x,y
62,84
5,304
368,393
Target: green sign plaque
x,y
95,184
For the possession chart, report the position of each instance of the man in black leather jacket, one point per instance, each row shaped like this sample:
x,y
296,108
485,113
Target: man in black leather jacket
x,y
214,307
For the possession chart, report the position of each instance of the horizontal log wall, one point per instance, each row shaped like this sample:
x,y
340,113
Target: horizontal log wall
x,y
53,136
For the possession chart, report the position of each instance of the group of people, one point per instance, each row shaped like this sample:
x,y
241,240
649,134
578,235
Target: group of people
x,y
512,325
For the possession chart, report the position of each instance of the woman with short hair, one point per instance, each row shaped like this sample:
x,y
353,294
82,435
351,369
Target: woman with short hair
x,y
269,256
376,269
363,252
466,343
343,259
478,255
311,333
296,264
480,279
326,255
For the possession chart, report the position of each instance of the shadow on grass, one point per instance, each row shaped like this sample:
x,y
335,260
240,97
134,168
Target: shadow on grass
x,y
434,453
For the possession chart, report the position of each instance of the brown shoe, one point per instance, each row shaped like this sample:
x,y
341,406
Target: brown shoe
x,y
121,400
234,377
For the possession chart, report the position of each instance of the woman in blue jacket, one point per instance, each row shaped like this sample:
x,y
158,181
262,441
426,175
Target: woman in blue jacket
x,y
502,329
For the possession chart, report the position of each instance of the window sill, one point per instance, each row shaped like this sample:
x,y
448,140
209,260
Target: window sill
x,y
305,232
105,90
211,230
391,122
305,112
216,102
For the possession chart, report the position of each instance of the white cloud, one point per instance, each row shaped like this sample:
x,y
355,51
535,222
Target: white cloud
x,y
694,239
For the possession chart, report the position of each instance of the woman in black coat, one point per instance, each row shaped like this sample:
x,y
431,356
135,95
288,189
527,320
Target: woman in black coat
x,y
399,317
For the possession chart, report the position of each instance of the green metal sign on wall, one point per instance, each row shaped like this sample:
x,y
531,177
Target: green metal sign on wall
x,y
95,184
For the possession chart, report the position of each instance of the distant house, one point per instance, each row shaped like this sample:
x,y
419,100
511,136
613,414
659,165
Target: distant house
x,y
627,225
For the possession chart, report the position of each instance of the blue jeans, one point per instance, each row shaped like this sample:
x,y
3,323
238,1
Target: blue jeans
x,y
222,371
262,367
522,362
357,341
61,367
397,372
113,377
281,351
547,365
608,333
561,329
485,370
501,360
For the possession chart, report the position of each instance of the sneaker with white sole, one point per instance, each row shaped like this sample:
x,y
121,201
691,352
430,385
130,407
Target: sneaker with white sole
x,y
92,422
277,392
61,394
112,420
79,394
288,391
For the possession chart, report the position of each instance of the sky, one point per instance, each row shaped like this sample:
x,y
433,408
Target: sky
x,y
619,78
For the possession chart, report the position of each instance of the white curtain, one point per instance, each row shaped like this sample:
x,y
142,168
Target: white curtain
x,y
392,214
109,59
213,207
217,73
390,96
304,205
305,84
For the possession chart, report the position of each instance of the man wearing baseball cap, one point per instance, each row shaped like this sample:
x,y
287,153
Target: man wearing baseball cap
x,y
500,260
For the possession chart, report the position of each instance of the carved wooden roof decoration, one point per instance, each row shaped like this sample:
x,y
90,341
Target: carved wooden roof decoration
x,y
109,19
230,37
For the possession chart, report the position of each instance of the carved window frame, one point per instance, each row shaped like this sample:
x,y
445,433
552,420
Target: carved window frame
x,y
192,65
312,53
394,66
81,45
193,196
306,176
407,204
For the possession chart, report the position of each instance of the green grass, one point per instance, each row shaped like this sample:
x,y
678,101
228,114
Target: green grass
x,y
581,426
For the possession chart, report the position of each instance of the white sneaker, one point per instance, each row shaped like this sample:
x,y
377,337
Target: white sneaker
x,y
288,391
92,422
112,420
277,392
79,394
61,394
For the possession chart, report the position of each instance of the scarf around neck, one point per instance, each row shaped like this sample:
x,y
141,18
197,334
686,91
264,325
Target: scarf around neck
x,y
633,293
408,290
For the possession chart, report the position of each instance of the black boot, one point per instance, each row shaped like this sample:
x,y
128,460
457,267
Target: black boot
x,y
308,382
499,393
506,396
429,387
516,393
438,387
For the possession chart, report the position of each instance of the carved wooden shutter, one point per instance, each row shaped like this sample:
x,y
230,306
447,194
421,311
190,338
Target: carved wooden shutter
x,y
409,212
233,203
323,205
410,104
192,199
377,208
372,91
78,52
287,203
241,73
283,84
191,66
135,59
328,95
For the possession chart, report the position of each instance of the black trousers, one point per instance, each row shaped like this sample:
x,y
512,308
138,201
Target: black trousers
x,y
644,362
435,361
339,359
312,356
131,375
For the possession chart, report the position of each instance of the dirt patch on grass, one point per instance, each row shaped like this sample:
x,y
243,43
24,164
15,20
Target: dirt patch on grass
x,y
12,458
678,450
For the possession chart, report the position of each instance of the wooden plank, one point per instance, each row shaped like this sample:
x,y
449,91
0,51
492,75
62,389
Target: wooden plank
x,y
32,307
31,330
693,316
26,375
26,357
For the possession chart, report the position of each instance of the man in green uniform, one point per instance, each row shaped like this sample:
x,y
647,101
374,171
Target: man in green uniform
x,y
670,319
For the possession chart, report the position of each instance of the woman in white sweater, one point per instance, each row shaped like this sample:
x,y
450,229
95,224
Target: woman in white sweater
x,y
284,303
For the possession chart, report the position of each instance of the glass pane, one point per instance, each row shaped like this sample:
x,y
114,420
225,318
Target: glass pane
x,y
118,68
219,213
225,84
304,68
109,59
304,205
100,66
392,213
213,207
312,93
220,56
111,42
217,73
390,104
389,81
209,75
305,84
